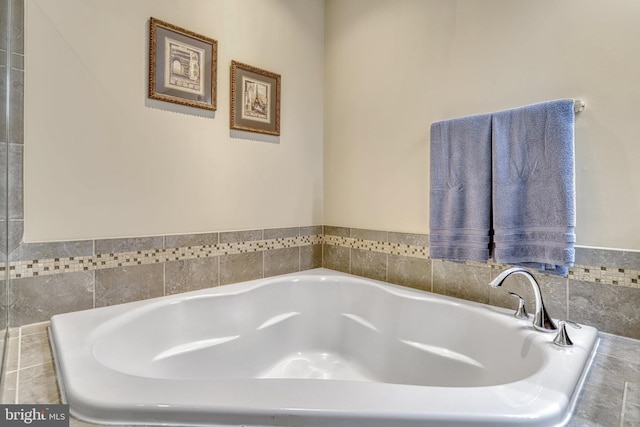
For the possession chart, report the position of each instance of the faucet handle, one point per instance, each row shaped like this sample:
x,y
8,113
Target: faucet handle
x,y
562,338
521,312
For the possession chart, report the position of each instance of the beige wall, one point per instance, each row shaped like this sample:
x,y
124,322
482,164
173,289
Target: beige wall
x,y
102,161
394,67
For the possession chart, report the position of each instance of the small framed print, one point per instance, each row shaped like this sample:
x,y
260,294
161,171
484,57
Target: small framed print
x,y
182,66
255,99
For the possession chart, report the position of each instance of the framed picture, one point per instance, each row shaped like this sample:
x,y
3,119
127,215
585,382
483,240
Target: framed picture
x,y
182,66
255,99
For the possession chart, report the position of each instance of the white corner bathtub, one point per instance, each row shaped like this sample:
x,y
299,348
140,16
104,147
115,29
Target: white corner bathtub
x,y
317,348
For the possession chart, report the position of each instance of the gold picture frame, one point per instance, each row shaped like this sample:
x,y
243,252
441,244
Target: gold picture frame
x,y
182,66
255,99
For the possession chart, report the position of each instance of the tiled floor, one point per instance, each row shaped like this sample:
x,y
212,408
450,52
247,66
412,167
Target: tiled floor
x,y
631,405
611,396
29,368
616,365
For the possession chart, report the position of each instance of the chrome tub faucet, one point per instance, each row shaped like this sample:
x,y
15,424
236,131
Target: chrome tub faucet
x,y
541,321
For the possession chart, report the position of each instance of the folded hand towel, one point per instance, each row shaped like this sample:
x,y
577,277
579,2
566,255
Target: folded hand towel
x,y
460,194
534,186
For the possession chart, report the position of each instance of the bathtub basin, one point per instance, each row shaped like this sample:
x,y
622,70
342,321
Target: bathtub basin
x,y
317,348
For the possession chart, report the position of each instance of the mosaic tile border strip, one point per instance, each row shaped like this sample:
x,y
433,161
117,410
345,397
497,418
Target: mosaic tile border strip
x,y
585,273
41,267
34,268
606,275
376,246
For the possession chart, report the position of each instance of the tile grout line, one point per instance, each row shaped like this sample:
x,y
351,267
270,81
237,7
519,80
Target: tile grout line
x,y
624,403
36,365
17,400
566,289
386,272
622,359
93,253
164,268
431,275
164,279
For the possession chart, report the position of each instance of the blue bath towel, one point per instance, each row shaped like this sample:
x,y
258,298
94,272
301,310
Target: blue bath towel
x,y
460,194
534,186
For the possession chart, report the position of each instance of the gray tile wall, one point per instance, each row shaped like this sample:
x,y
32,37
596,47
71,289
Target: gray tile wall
x,y
283,260
191,275
4,64
602,290
60,277
38,298
406,270
365,262
125,284
14,126
11,133
310,255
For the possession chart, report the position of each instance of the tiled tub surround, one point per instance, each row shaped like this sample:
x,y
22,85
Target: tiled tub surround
x,y
188,262
601,290
52,278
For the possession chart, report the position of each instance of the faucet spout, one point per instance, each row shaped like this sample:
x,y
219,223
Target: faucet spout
x,y
541,321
